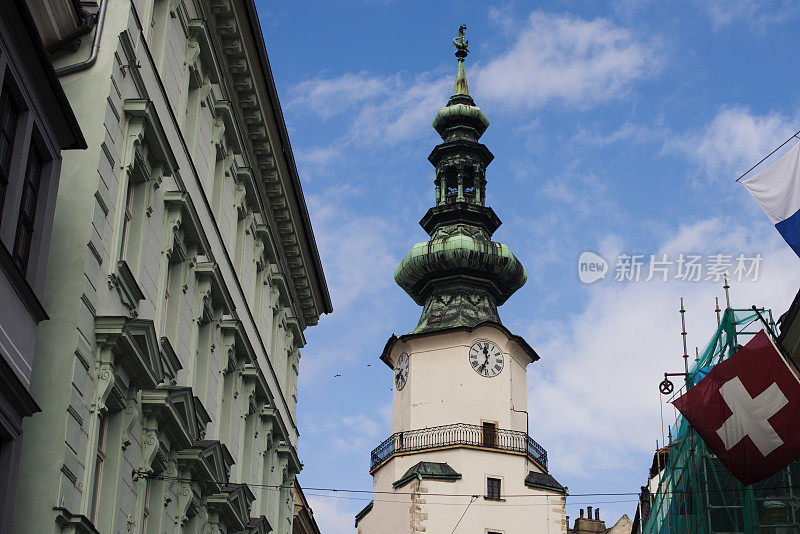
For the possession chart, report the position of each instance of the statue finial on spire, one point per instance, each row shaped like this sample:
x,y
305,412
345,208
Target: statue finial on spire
x,y
461,44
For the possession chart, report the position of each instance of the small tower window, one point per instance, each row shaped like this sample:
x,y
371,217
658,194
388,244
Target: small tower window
x,y
451,185
469,186
493,488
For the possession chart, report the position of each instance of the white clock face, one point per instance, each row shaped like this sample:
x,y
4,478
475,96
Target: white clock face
x,y
401,371
486,358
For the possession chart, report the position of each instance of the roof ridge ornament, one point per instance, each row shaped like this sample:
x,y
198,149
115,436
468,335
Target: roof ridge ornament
x,y
461,44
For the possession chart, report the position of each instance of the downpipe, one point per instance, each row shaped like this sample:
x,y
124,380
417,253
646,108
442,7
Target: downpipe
x,y
85,64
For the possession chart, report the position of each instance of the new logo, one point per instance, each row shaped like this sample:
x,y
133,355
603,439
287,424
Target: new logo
x,y
591,267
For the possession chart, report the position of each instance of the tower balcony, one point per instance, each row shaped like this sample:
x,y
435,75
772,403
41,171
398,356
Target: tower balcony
x,y
458,435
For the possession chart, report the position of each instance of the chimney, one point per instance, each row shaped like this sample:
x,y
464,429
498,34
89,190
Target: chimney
x,y
597,513
581,513
588,512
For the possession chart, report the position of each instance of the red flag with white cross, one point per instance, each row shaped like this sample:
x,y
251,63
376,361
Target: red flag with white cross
x,y
747,410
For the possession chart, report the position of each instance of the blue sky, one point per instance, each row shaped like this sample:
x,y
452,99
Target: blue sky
x,y
618,128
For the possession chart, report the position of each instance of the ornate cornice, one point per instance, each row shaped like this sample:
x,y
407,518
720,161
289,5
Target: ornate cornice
x,y
280,197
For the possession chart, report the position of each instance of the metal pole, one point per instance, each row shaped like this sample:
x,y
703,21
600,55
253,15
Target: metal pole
x,y
716,299
726,287
683,334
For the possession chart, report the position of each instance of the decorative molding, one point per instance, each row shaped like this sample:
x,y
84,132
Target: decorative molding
x,y
169,360
202,417
222,109
252,373
130,415
174,410
288,452
132,344
143,123
125,283
232,505
69,474
75,523
198,30
184,503
93,249
218,296
271,181
181,202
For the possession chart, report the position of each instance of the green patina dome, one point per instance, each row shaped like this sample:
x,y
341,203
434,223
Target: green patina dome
x,y
460,252
458,115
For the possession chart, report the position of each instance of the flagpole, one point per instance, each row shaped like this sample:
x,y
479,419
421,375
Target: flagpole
x,y
768,155
775,340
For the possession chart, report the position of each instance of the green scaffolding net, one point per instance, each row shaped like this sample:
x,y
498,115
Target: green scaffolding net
x,y
696,493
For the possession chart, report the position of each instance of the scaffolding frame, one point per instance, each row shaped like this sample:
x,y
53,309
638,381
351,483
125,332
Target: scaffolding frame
x,y
696,493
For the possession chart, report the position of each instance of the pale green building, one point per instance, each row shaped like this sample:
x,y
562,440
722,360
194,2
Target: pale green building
x,y
182,274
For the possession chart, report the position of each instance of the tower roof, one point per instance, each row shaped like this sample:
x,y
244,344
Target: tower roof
x,y
461,117
460,275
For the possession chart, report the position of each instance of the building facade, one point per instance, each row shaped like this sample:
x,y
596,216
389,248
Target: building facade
x,y
459,406
36,124
304,522
595,525
182,274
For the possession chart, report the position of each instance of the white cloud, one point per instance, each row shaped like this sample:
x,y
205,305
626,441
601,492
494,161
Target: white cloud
x,y
332,96
628,132
569,59
404,114
353,435
733,141
331,515
757,13
355,248
593,396
382,110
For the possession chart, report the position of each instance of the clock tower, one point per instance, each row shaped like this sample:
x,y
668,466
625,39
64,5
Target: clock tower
x,y
460,452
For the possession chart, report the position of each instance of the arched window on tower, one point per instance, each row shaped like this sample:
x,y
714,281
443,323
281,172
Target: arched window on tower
x,y
469,186
451,185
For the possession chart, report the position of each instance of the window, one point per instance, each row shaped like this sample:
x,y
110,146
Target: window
x,y
98,469
489,434
493,488
126,223
159,21
8,125
165,304
148,484
27,210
